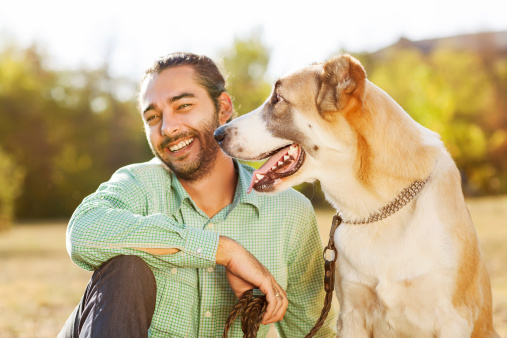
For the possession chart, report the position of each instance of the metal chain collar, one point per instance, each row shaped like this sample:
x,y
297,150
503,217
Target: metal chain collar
x,y
399,202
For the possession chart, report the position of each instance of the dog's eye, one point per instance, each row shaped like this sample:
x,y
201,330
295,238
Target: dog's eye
x,y
276,98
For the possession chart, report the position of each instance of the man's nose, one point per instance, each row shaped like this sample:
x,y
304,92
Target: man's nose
x,y
170,125
219,134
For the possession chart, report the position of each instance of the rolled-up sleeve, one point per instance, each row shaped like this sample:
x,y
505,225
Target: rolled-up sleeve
x,y
114,221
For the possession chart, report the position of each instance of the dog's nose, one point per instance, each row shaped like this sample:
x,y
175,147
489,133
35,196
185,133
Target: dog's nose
x,y
219,134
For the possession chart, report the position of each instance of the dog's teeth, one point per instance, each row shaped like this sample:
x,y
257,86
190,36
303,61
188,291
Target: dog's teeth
x,y
273,168
286,157
256,181
292,150
280,162
259,176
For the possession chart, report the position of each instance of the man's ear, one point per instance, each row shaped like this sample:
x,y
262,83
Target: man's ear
x,y
226,108
342,84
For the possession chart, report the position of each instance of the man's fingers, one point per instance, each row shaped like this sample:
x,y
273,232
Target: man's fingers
x,y
276,307
283,309
270,309
280,297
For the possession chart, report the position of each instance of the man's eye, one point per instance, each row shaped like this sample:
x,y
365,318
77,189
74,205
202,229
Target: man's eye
x,y
185,105
151,118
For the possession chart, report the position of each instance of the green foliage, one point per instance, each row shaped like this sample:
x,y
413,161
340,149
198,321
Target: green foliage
x,y
246,63
11,182
451,93
64,132
67,129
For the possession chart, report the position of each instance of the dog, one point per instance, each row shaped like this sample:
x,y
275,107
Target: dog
x,y
409,262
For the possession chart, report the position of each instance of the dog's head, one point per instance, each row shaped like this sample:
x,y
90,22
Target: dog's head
x,y
299,125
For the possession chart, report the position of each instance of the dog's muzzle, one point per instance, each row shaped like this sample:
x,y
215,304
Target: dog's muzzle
x,y
219,134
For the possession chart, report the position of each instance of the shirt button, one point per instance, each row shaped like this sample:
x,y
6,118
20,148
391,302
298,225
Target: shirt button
x,y
211,225
210,270
199,251
207,314
174,271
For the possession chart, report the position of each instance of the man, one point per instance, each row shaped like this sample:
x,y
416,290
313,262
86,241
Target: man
x,y
171,240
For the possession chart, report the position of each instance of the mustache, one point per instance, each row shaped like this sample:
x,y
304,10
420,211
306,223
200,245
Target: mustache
x,y
171,139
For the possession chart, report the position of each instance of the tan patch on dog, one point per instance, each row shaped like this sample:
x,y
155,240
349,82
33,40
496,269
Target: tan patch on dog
x,y
342,80
472,294
364,161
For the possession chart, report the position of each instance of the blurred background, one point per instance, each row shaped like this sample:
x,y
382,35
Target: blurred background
x,y
68,118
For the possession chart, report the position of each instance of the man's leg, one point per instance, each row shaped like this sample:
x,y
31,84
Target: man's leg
x,y
119,301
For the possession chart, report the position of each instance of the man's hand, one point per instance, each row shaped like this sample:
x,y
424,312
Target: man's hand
x,y
245,272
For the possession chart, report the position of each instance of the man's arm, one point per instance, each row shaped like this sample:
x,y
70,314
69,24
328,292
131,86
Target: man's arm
x,y
305,285
112,222
245,272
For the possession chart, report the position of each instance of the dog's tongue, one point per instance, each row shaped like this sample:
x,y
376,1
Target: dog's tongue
x,y
272,162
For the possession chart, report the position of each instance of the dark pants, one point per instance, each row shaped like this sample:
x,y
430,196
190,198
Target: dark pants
x,y
119,301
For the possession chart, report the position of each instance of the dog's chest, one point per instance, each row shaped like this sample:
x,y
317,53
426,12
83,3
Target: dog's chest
x,y
402,274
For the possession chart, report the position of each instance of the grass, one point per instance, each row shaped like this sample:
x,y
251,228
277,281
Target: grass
x,y
40,286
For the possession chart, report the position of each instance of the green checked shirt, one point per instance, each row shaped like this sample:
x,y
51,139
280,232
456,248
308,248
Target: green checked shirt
x,y
145,206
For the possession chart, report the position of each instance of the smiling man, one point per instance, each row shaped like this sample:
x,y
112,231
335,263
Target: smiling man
x,y
175,240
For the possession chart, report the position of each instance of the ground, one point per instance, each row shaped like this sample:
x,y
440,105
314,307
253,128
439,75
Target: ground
x,y
40,286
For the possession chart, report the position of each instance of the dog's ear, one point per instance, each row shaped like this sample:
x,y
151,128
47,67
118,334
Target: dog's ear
x,y
342,85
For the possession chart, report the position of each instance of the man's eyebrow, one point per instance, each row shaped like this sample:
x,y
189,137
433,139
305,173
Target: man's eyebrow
x,y
150,107
179,97
170,100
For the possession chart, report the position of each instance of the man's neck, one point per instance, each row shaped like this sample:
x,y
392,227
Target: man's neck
x,y
214,191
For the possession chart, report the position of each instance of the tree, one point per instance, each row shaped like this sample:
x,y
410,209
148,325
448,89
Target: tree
x,y
68,129
246,63
11,182
448,92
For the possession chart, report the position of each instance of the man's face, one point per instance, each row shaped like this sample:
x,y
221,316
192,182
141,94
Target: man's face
x,y
180,119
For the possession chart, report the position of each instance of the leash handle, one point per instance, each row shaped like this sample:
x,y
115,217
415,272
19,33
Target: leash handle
x,y
253,309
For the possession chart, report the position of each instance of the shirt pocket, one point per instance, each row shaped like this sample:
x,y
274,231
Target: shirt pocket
x,y
176,308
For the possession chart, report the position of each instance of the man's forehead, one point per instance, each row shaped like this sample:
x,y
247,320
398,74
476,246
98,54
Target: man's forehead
x,y
168,84
171,75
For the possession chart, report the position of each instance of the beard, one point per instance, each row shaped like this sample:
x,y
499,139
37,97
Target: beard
x,y
202,165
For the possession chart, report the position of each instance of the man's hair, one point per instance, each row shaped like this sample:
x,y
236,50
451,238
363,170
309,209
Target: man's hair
x,y
207,73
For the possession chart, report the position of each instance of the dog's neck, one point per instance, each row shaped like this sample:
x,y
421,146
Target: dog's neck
x,y
393,151
403,198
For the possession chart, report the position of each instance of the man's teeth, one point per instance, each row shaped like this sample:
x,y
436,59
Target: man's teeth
x,y
181,145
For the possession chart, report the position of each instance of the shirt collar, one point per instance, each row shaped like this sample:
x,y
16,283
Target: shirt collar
x,y
240,196
244,179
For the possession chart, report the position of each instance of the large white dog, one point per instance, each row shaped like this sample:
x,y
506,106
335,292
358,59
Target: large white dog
x,y
409,262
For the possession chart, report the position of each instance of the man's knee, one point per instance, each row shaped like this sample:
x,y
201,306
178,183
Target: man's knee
x,y
130,274
123,290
